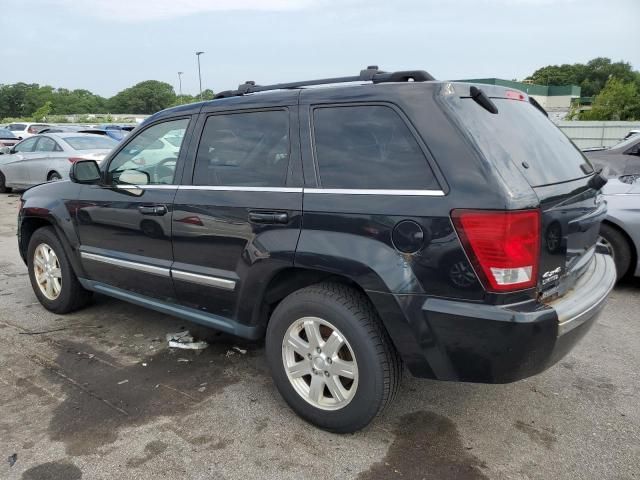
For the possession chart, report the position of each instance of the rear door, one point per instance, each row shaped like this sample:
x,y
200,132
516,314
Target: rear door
x,y
125,223
236,222
520,138
41,163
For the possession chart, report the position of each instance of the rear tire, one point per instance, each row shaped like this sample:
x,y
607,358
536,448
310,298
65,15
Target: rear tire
x,y
352,360
620,247
52,278
3,186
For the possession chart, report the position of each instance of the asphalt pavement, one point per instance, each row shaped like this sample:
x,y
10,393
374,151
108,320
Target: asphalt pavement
x,y
98,395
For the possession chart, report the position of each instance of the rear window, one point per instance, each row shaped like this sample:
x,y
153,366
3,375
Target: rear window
x,y
523,135
368,147
91,142
17,127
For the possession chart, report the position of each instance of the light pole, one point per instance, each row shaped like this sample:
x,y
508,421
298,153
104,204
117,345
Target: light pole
x,y
199,74
180,85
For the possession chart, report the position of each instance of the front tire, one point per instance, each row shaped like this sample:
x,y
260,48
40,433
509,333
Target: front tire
x,y
330,357
620,247
3,184
54,177
52,278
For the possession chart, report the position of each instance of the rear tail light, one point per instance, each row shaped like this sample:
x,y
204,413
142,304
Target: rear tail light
x,y
504,246
75,159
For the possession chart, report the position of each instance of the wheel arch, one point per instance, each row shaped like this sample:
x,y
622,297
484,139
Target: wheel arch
x,y
52,171
29,225
291,279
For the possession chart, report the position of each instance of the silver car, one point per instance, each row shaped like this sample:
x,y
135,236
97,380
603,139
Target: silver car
x,y
621,159
48,157
621,229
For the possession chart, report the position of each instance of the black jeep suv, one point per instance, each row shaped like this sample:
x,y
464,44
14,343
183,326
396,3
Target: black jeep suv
x,y
374,221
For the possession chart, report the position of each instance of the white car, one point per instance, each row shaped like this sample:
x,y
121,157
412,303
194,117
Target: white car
x,y
48,157
25,130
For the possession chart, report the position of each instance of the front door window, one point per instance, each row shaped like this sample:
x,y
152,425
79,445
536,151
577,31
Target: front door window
x,y
151,156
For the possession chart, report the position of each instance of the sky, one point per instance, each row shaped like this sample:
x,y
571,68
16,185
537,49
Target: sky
x,y
108,45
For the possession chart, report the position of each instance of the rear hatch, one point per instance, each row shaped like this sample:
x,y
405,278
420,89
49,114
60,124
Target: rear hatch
x,y
520,136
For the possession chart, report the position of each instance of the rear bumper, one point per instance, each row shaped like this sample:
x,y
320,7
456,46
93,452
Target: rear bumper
x,y
463,341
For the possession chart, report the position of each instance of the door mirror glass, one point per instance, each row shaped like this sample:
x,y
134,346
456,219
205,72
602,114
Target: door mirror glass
x,y
85,171
134,177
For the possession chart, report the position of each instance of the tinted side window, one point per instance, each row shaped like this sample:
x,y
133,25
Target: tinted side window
x,y
368,147
27,145
244,149
154,151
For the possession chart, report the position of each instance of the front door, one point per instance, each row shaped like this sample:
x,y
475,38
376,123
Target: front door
x,y
15,170
125,223
239,220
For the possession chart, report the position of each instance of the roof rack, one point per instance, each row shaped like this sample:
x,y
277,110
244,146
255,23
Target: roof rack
x,y
369,74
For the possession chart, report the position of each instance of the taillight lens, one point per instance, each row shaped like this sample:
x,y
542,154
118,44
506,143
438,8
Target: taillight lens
x,y
75,159
504,246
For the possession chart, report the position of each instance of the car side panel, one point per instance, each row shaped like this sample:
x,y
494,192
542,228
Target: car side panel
x,y
624,211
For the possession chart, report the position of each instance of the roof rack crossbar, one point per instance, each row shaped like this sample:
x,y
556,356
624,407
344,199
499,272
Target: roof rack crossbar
x,y
370,74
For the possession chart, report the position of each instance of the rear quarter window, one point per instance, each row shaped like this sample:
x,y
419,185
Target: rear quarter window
x,y
368,147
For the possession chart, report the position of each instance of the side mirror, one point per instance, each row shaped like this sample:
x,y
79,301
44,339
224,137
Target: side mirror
x,y
134,177
5,150
85,172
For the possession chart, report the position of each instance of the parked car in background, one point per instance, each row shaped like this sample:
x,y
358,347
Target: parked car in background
x,y
63,128
631,134
449,225
26,130
77,129
48,157
7,138
621,159
117,132
621,229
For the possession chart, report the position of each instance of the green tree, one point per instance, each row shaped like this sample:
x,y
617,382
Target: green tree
x,y
591,77
618,100
145,97
40,114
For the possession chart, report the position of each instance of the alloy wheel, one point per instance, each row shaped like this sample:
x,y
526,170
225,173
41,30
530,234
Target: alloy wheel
x,y
320,363
46,267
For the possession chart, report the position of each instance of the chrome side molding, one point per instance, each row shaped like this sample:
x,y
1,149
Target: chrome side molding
x,y
207,280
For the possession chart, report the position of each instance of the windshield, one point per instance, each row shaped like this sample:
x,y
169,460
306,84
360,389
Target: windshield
x,y
632,140
91,142
16,127
521,134
6,133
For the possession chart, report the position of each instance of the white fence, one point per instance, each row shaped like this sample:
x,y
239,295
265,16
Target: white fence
x,y
587,134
